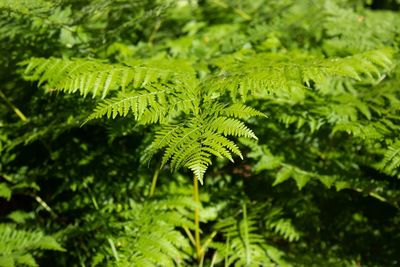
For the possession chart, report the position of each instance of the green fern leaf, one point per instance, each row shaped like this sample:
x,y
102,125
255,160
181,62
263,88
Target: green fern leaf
x,y
241,111
243,245
150,236
16,246
96,77
285,228
191,144
26,7
262,74
135,102
230,126
5,191
391,160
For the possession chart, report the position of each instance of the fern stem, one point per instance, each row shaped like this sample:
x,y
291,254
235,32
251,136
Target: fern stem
x,y
213,259
189,234
226,254
154,182
201,261
207,242
246,235
197,217
113,249
21,115
13,107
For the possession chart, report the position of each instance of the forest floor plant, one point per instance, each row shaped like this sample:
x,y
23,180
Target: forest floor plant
x,y
284,114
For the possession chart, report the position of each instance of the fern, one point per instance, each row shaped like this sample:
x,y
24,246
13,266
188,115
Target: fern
x,y
189,84
25,6
391,160
5,191
261,74
245,246
95,77
285,228
162,94
135,102
192,143
155,103
349,31
16,246
150,237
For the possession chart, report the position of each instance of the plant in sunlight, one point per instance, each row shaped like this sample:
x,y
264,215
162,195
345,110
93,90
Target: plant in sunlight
x,y
200,133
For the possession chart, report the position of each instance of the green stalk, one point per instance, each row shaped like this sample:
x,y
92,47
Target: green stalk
x,y
154,182
197,217
21,115
246,235
13,107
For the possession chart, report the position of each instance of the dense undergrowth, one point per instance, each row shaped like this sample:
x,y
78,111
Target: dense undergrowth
x,y
199,133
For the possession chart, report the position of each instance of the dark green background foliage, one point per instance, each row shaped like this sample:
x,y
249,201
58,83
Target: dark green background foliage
x,y
286,111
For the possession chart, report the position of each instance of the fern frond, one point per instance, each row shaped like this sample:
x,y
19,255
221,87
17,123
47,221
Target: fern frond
x,y
5,191
244,245
391,160
95,77
184,137
219,142
230,126
25,6
285,228
150,237
262,74
136,102
198,164
151,104
16,246
364,131
349,31
241,111
191,144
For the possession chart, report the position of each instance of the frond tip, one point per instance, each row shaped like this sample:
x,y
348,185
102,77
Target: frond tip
x,y
192,144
